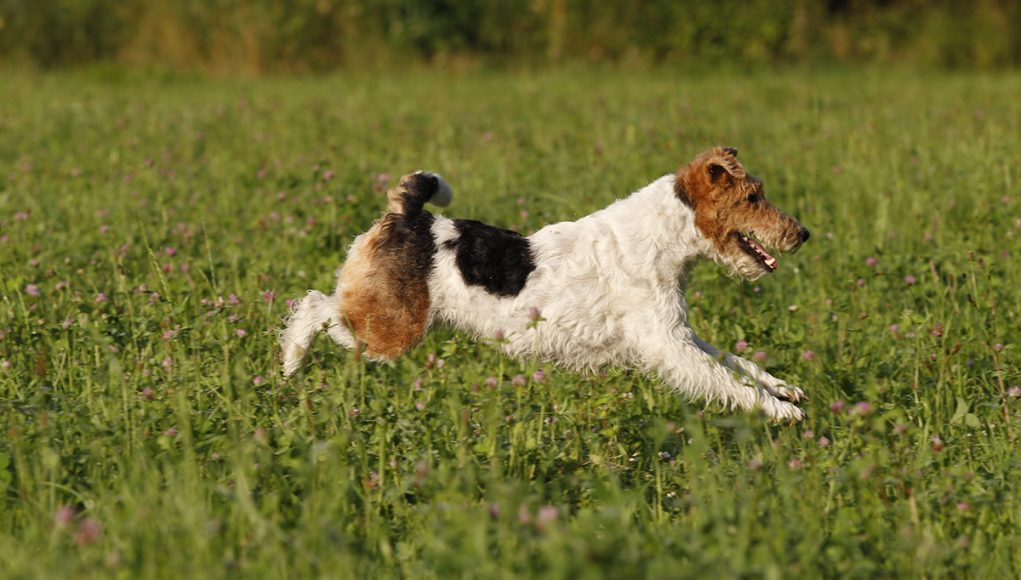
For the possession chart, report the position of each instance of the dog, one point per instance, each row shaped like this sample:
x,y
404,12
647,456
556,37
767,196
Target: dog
x,y
607,289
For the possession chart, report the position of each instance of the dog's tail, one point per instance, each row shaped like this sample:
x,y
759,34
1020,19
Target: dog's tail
x,y
415,190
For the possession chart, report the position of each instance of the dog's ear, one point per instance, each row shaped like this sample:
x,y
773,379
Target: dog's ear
x,y
724,163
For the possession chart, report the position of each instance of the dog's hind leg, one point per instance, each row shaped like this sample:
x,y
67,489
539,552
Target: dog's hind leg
x,y
315,312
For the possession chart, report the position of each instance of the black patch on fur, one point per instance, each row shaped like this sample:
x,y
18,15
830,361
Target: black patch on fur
x,y
498,260
409,241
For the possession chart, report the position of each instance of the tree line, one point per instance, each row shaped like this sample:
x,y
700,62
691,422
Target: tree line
x,y
265,36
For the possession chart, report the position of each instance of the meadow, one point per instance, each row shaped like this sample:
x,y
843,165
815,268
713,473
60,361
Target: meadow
x,y
154,228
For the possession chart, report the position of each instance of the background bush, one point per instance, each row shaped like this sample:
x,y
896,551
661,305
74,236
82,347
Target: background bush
x,y
256,36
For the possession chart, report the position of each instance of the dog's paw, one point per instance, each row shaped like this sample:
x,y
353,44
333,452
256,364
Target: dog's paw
x,y
786,392
293,355
781,410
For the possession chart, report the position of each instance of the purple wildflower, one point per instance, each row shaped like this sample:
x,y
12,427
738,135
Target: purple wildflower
x,y
88,532
524,516
546,517
861,408
63,516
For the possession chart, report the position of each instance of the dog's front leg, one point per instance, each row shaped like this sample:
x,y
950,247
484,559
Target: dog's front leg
x,y
775,386
688,369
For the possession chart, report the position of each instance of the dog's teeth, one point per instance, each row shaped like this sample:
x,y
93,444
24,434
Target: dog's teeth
x,y
771,262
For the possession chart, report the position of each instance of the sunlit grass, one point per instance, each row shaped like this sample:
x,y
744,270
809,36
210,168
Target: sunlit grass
x,y
152,232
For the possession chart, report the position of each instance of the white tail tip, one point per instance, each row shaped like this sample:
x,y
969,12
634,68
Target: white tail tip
x,y
444,195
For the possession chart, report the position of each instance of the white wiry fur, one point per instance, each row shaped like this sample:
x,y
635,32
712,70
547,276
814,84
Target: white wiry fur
x,y
313,313
610,291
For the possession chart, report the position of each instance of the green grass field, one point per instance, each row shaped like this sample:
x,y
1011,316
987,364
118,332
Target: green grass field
x,y
152,231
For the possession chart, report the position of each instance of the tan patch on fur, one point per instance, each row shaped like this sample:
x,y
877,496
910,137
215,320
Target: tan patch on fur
x,y
385,309
727,201
395,196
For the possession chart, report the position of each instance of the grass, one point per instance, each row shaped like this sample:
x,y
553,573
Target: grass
x,y
152,230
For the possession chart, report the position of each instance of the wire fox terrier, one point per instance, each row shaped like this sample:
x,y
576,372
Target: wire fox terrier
x,y
609,287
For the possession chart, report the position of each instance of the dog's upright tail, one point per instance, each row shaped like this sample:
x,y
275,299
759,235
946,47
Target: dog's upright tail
x,y
415,190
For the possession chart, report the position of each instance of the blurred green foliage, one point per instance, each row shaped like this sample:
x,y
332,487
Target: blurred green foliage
x,y
152,230
257,36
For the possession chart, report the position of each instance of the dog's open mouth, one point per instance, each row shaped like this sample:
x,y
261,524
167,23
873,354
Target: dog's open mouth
x,y
755,250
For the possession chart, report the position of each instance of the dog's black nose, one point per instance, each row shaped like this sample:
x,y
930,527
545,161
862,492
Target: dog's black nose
x,y
803,234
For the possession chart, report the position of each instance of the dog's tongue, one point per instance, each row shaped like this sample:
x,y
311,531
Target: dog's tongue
x,y
770,261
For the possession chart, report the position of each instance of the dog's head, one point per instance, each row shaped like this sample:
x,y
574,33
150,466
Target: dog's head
x,y
732,213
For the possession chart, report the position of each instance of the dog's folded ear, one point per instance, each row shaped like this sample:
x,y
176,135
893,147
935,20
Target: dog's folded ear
x,y
724,162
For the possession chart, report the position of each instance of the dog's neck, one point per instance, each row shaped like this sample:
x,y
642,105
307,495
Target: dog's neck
x,y
667,226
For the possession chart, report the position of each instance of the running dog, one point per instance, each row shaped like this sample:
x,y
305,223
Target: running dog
x,y
607,289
